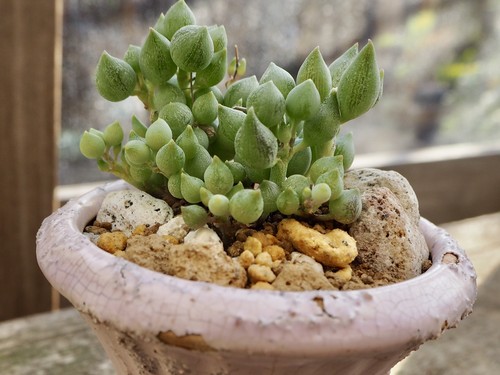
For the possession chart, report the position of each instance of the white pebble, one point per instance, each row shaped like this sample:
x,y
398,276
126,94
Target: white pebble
x,y
204,235
175,227
126,209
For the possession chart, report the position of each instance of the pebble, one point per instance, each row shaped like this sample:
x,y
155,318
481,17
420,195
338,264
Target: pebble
x,y
127,209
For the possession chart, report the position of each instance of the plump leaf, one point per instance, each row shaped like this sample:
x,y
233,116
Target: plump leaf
x,y
255,145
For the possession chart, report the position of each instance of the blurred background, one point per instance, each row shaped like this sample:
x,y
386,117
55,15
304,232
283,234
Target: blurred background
x,y
441,62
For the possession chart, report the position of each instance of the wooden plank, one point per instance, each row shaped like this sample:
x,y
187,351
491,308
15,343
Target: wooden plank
x,y
29,116
52,343
452,182
472,348
479,237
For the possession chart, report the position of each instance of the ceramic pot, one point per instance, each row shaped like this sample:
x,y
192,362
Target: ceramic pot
x,y
150,323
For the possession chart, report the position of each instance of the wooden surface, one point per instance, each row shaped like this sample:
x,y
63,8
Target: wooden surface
x,y
452,182
29,112
473,347
52,344
61,343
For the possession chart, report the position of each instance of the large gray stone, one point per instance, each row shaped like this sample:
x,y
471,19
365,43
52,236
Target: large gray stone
x,y
391,247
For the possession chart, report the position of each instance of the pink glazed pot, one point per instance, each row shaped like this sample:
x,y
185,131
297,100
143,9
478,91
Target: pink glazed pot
x,y
150,323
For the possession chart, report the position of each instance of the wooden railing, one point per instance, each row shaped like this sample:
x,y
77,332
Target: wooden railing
x,y
452,182
30,50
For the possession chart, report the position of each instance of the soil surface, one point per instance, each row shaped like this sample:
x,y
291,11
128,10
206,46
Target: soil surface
x,y
384,246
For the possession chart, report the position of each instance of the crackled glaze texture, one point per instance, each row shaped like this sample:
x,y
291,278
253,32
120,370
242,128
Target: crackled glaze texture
x,y
150,323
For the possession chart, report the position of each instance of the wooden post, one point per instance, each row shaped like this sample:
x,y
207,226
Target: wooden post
x,y
30,50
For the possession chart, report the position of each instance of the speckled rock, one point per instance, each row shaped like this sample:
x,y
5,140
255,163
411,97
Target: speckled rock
x,y
390,245
192,260
367,178
299,277
127,209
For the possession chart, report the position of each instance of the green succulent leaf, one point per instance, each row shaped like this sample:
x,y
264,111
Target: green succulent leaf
x,y
137,152
359,86
174,185
194,216
159,24
347,208
168,93
268,103
140,174
278,172
155,61
219,205
205,195
325,124
338,67
205,108
192,48
178,116
217,147
333,178
288,202
255,145
131,57
138,127
113,134
158,134
215,72
230,121
303,101
280,77
188,141
300,162
344,145
178,16
297,183
92,146
204,90
321,193
115,79
170,159
270,192
236,188
240,91
202,136
190,188
315,68
257,174
237,170
197,165
326,164
218,177
219,37
246,206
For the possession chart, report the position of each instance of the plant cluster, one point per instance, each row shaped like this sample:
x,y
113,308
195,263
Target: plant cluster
x,y
245,149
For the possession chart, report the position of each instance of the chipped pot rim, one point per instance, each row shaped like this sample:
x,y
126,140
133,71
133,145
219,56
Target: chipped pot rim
x,y
143,302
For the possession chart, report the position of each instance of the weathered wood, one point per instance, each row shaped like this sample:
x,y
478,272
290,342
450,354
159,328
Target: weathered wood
x,y
471,348
29,113
51,343
451,182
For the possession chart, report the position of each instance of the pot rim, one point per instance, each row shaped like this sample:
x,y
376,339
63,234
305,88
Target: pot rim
x,y
143,302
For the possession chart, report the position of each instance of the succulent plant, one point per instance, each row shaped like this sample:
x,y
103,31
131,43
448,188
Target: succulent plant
x,y
239,149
